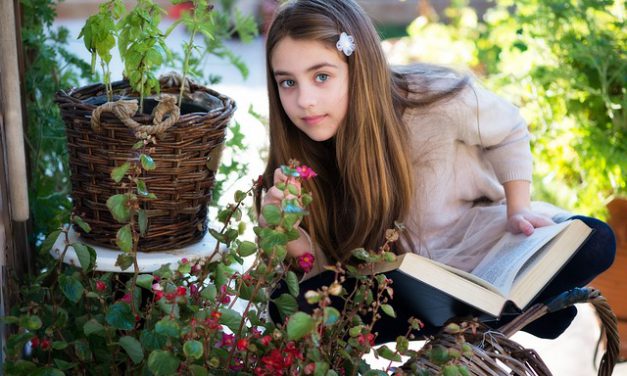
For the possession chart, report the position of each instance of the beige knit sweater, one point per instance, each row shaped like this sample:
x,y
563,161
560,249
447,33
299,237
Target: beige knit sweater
x,y
462,150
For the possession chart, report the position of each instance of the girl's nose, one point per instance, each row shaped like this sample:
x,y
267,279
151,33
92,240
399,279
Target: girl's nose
x,y
306,98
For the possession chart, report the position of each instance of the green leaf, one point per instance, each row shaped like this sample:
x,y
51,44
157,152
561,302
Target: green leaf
x,y
59,345
246,248
275,238
239,196
63,365
147,162
299,325
48,372
133,348
142,189
138,145
402,344
292,283
163,363
86,255
286,304
120,316
439,354
118,206
375,372
193,349
145,281
221,275
117,174
124,261
168,327
272,214
20,367
46,246
82,350
197,370
331,316
386,353
209,293
81,223
124,238
152,341
142,220
231,318
93,327
30,322
71,287
388,310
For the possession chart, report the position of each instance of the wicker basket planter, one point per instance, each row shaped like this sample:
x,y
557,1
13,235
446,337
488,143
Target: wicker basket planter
x,y
186,155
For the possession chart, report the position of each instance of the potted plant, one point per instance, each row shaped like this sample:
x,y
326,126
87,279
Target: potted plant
x,y
165,134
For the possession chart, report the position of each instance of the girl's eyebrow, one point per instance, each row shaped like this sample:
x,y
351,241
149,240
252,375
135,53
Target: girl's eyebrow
x,y
312,68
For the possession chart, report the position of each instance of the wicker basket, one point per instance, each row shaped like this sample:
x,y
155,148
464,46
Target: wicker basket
x,y
186,156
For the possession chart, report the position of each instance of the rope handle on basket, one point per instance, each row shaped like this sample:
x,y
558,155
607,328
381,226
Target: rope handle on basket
x,y
126,109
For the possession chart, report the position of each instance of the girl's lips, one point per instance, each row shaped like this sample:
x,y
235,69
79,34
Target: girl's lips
x,y
313,120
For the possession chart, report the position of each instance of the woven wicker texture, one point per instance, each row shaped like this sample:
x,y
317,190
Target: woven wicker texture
x,y
494,354
186,157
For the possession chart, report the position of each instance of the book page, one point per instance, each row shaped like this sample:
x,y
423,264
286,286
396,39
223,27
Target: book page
x,y
503,262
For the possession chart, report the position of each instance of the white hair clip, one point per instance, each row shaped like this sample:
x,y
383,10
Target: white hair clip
x,y
346,44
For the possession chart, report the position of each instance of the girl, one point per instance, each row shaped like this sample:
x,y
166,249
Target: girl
x,y
422,145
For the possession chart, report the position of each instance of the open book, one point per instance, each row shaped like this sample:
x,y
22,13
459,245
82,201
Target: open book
x,y
515,270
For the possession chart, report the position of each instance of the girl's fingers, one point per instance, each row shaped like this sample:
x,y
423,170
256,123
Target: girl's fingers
x,y
273,196
280,177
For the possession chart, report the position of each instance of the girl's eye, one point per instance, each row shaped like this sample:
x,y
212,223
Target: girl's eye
x,y
287,83
322,77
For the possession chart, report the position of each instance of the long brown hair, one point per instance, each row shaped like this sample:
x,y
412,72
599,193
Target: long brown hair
x,y
364,180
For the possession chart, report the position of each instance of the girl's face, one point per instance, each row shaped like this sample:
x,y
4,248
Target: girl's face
x,y
312,80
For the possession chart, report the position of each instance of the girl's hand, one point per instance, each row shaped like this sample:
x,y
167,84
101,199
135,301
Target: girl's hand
x,y
275,196
525,221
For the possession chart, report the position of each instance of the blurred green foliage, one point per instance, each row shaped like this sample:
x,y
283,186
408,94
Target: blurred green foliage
x,y
49,67
563,62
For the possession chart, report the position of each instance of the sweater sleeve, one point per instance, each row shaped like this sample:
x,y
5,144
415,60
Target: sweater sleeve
x,y
493,124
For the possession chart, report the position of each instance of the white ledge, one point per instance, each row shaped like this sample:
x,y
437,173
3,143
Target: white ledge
x,y
148,261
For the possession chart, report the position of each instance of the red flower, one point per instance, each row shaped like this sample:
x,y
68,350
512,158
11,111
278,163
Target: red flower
x,y
310,368
305,172
181,291
242,344
34,342
158,295
364,339
45,344
306,261
101,286
265,340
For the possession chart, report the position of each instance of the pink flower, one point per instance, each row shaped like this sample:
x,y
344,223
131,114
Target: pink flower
x,y
126,298
305,172
157,287
305,262
226,341
101,286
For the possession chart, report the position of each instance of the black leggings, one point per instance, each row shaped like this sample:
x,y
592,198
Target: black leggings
x,y
594,256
